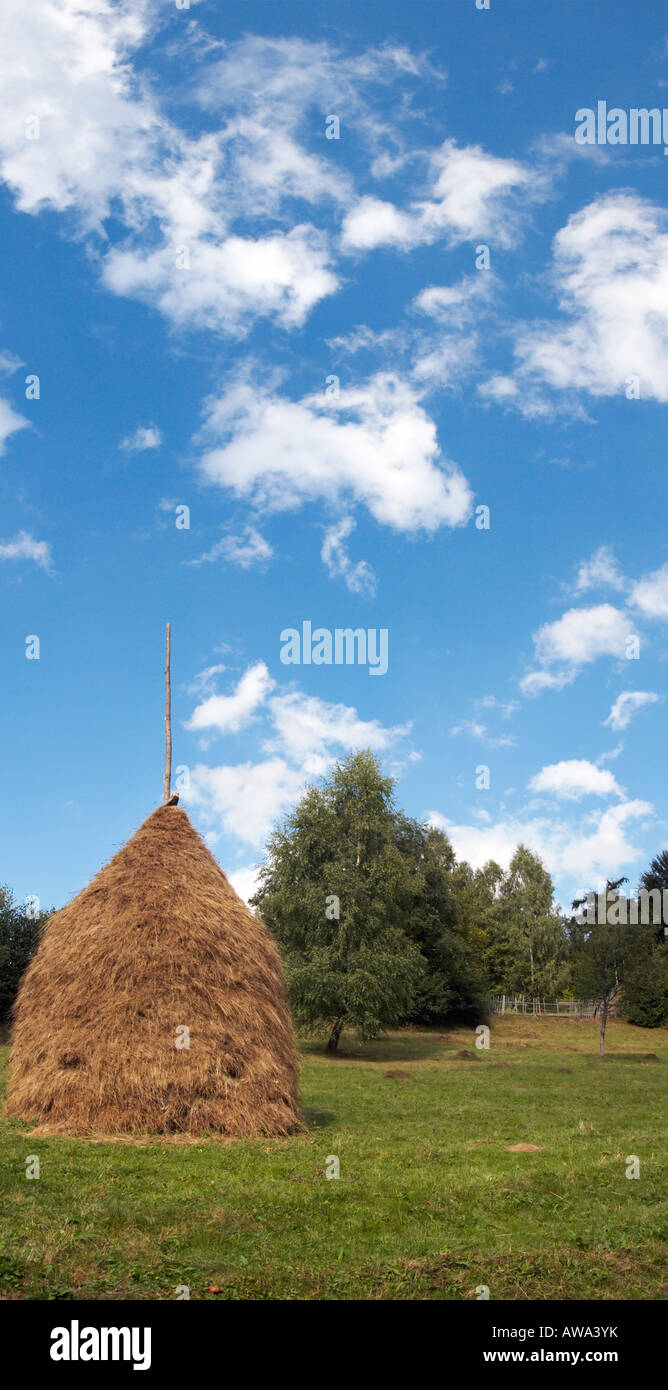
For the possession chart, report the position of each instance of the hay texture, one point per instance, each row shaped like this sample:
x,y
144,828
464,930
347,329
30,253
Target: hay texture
x,y
158,941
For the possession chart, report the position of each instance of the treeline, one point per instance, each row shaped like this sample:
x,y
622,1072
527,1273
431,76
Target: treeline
x,y
20,931
379,924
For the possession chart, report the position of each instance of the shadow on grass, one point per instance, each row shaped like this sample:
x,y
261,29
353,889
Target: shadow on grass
x,y
628,1057
319,1119
409,1047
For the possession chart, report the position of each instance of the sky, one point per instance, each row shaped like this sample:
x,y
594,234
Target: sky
x,y
317,314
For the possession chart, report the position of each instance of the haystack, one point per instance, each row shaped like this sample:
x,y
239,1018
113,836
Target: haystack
x,y
158,951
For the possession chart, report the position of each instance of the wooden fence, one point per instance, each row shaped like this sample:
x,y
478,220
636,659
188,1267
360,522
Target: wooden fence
x,y
550,1008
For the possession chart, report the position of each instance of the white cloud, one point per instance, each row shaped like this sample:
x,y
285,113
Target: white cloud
x,y
308,730
535,681
611,277
372,444
580,636
650,594
468,198
476,730
303,735
626,705
203,682
574,778
105,146
607,849
375,223
507,707
144,437
230,713
449,347
599,572
10,422
469,726
454,306
225,284
358,576
9,362
584,854
245,882
245,550
246,799
25,547
611,754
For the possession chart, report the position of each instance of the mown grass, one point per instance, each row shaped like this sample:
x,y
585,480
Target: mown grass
x,y
429,1204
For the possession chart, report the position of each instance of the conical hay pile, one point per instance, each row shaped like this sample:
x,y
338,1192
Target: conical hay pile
x,y
159,942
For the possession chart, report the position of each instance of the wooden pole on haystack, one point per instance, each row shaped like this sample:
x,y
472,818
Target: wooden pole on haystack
x,y
167,781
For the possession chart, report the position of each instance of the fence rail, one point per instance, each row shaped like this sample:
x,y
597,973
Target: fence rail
x,y
550,1008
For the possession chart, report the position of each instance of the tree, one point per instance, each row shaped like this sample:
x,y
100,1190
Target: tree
x,y
645,983
336,891
599,968
657,874
656,878
604,951
20,933
527,945
454,983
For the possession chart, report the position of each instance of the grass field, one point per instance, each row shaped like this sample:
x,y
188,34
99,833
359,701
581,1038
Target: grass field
x,y
430,1203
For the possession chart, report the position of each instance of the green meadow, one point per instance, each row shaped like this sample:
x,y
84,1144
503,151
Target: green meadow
x,y
434,1199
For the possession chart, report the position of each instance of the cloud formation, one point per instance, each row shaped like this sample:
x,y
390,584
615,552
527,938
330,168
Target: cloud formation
x,y
584,854
610,276
23,546
574,778
144,437
301,737
372,444
580,636
467,197
627,705
358,576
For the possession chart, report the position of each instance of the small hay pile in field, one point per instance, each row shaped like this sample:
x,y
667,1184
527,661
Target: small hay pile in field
x,y
158,942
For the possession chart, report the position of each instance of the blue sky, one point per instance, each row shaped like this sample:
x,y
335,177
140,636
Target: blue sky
x,y
289,335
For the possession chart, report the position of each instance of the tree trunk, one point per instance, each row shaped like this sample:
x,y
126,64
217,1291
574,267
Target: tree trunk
x,y
604,1019
335,1035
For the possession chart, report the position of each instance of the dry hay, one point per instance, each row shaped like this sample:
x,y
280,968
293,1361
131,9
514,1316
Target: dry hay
x,y
158,941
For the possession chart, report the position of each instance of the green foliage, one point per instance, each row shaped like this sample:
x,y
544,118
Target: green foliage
x,y
646,982
19,938
529,943
601,961
454,985
657,874
335,891
414,935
